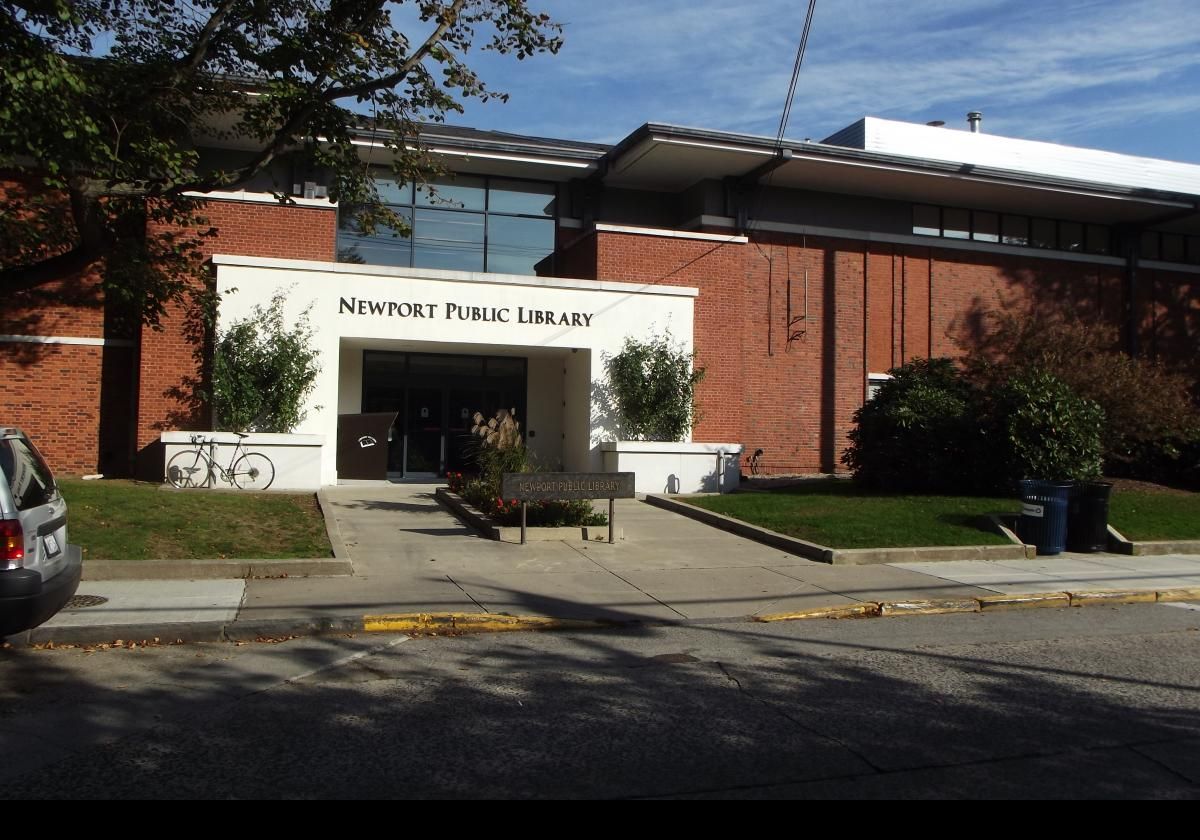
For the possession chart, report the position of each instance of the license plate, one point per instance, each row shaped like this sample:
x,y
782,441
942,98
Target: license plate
x,y
51,545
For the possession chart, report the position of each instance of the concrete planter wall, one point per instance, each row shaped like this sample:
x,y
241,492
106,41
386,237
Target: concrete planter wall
x,y
667,467
297,458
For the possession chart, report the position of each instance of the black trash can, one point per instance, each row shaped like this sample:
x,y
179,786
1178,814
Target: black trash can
x,y
1087,516
1043,520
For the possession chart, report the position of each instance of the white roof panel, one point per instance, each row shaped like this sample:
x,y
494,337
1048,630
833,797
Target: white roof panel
x,y
1029,156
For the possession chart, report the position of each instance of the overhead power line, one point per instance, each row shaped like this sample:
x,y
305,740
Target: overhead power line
x,y
791,94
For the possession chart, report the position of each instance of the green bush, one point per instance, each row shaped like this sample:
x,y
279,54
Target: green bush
x,y
654,386
929,430
1045,430
263,370
1151,419
918,433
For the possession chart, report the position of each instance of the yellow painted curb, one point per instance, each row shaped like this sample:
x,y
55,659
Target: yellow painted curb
x,y
464,623
1112,596
931,607
991,603
1179,594
866,610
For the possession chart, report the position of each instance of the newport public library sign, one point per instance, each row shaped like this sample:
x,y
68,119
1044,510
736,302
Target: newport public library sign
x,y
533,487
463,312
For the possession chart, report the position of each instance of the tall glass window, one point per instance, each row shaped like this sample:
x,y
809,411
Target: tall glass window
x,y
465,223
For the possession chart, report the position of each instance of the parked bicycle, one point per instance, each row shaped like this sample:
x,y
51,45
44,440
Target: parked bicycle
x,y
197,467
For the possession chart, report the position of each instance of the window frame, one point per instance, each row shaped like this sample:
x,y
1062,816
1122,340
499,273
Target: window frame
x,y
414,204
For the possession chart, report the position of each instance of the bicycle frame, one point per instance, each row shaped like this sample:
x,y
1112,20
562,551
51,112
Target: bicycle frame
x,y
238,451
198,466
206,448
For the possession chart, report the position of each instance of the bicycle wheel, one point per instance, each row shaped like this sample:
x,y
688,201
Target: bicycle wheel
x,y
253,471
188,469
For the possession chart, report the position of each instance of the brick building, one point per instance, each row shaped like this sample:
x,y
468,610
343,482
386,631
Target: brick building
x,y
797,274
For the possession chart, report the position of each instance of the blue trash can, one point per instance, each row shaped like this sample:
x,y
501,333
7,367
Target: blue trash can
x,y
1043,521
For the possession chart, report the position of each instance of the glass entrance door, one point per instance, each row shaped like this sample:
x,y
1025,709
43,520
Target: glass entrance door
x,y
462,404
423,441
436,396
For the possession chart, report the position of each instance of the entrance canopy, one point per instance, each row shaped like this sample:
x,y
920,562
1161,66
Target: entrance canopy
x,y
431,344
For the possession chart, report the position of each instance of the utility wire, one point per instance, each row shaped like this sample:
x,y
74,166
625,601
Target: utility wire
x,y
760,189
791,94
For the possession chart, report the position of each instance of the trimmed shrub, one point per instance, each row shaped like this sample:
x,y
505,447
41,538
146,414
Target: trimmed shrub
x,y
929,430
1046,430
918,433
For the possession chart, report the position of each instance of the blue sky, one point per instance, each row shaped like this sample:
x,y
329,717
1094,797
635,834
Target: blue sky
x,y
1121,76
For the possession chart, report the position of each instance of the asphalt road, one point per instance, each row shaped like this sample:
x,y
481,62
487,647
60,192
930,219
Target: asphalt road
x,y
1100,702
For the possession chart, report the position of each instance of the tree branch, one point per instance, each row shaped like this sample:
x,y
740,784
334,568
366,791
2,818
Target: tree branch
x,y
200,49
393,79
285,133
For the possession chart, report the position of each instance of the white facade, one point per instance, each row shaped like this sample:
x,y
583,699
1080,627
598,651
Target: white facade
x,y
566,329
296,458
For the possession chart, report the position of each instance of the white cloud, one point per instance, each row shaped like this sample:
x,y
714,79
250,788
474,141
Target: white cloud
x,y
1057,70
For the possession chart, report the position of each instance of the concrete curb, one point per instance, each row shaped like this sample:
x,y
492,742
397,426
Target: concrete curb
x,y
450,623
446,623
936,606
1035,600
837,556
792,545
1101,597
512,534
214,569
1119,544
273,628
201,631
1011,535
867,609
332,531
1178,594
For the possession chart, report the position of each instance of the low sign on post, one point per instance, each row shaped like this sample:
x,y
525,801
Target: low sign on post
x,y
556,487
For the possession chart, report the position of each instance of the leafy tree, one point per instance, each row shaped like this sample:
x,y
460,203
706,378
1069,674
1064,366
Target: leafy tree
x,y
263,369
654,386
1150,416
104,102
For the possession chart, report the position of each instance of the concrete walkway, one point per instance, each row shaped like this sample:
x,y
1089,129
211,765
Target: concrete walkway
x,y
411,556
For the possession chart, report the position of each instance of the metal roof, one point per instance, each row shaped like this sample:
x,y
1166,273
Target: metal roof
x,y
1030,157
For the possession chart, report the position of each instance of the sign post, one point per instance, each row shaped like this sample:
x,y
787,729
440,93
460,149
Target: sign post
x,y
558,487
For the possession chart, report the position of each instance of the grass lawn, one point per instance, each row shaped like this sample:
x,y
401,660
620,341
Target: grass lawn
x,y
127,520
840,515
1140,515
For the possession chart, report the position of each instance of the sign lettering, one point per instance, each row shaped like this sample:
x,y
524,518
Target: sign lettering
x,y
531,487
449,311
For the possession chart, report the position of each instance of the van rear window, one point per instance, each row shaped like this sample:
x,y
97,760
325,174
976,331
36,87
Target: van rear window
x,y
29,479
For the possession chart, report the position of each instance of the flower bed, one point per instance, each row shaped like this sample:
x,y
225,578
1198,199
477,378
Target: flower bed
x,y
484,497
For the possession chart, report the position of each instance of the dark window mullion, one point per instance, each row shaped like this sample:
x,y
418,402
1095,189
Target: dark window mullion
x,y
487,212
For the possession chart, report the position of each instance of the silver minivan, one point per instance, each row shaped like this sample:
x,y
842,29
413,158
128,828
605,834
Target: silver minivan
x,y
39,569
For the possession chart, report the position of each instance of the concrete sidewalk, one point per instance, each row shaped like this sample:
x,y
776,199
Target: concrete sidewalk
x,y
411,556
